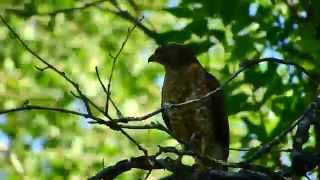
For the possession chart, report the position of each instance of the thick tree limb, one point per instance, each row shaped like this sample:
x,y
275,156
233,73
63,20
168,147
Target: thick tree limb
x,y
302,160
179,170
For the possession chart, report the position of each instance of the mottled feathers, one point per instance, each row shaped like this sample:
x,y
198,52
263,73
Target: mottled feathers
x,y
204,126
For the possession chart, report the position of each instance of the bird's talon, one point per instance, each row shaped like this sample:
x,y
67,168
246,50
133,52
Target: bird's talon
x,y
166,106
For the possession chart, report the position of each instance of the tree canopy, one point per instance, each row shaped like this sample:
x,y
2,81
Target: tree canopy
x,y
56,54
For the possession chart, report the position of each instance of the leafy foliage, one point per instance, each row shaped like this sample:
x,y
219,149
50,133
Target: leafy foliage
x,y
261,102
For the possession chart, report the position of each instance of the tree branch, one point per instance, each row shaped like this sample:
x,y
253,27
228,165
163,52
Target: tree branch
x,y
267,147
115,59
58,11
244,66
180,171
118,12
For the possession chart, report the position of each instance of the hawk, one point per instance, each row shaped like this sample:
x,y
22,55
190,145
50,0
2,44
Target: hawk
x,y
204,126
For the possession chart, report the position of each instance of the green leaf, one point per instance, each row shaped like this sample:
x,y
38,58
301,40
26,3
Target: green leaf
x,y
174,36
180,12
200,47
237,103
198,27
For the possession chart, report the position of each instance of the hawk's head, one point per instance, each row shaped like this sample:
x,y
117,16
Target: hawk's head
x,y
173,55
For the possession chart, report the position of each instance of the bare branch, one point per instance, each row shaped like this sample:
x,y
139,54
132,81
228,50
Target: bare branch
x,y
244,66
127,16
67,10
115,59
42,108
96,120
92,104
118,12
108,93
119,114
55,12
145,152
141,118
250,149
42,69
100,81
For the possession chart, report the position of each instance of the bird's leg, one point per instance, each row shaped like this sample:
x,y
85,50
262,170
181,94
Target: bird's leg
x,y
199,146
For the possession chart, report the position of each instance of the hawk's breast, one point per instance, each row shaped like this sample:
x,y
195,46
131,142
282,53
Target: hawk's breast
x,y
192,122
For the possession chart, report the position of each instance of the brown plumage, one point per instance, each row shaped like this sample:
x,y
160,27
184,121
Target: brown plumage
x,y
205,128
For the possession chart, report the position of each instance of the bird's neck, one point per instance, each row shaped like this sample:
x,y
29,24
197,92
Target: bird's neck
x,y
182,70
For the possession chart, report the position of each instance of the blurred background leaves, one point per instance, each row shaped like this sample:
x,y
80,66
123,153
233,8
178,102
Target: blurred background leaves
x,y
261,102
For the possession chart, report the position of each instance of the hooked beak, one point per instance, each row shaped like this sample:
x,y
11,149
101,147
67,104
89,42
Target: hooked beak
x,y
152,58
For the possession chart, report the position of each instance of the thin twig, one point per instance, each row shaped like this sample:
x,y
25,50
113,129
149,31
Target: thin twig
x,y
107,92
115,59
67,10
127,16
145,152
92,104
250,149
58,11
148,174
41,68
96,120
119,114
141,118
100,81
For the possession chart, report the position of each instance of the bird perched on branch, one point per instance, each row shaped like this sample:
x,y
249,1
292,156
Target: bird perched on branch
x,y
203,126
